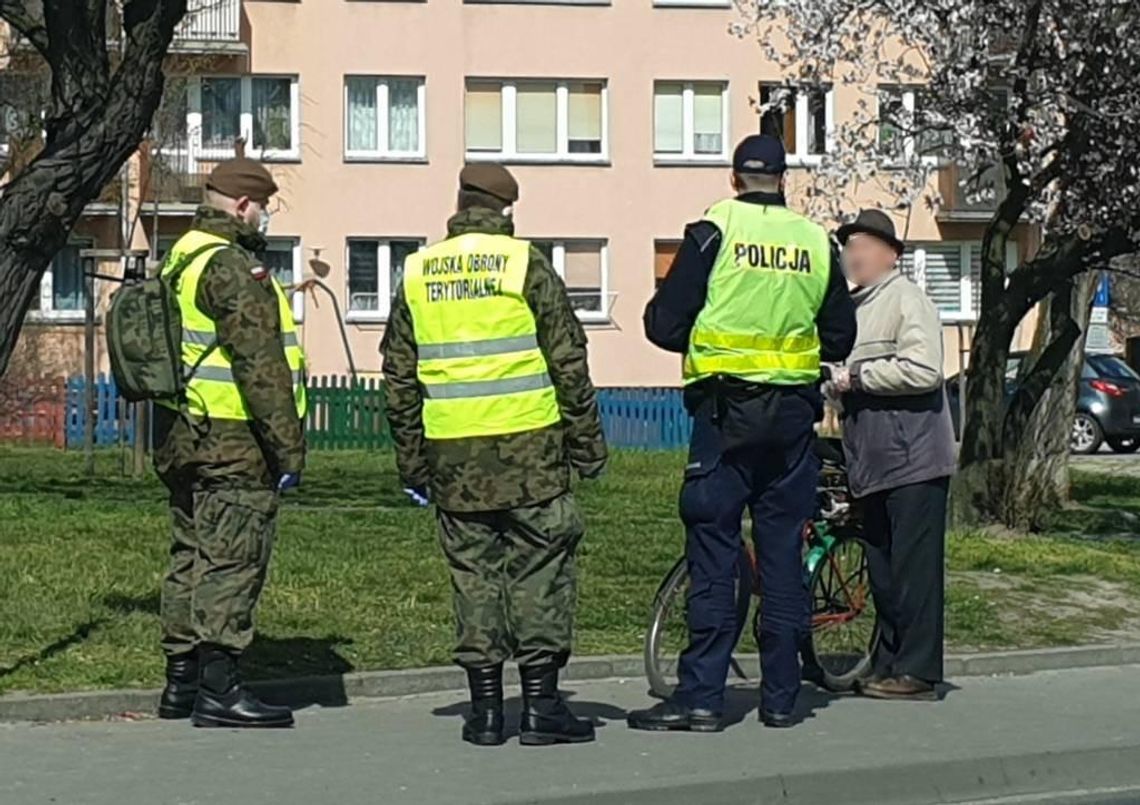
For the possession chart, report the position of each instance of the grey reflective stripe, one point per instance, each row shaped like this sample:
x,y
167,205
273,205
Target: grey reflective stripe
x,y
222,374
478,349
486,388
199,338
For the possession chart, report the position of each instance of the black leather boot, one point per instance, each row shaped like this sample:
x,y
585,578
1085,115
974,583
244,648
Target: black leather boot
x,y
181,686
223,701
545,717
484,725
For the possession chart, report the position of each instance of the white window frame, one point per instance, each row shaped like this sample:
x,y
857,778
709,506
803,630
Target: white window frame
x,y
909,94
47,311
383,279
798,156
383,153
508,89
558,255
297,300
245,127
965,312
688,154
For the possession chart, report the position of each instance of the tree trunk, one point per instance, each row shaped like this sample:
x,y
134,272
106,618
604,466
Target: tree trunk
x,y
97,121
1037,481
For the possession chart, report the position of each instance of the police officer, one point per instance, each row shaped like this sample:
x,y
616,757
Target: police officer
x,y
754,299
491,406
227,450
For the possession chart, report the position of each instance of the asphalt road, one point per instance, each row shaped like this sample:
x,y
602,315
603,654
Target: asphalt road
x,y
1067,736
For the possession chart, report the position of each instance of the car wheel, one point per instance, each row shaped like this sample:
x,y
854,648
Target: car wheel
x,y
1128,445
1087,435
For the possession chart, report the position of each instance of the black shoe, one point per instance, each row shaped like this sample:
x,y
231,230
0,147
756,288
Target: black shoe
x,y
669,716
223,701
181,686
484,725
545,717
779,721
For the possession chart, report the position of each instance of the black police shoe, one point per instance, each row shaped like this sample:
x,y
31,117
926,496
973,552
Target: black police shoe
x,y
181,686
223,701
776,720
671,716
545,717
484,724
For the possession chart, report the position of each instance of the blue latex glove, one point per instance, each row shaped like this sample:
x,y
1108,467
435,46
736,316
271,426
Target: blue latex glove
x,y
290,480
419,495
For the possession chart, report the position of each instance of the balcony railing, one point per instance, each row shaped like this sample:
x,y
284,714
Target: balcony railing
x,y
977,200
173,177
215,22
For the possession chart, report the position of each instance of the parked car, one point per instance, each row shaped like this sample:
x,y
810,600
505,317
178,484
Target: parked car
x,y
1108,403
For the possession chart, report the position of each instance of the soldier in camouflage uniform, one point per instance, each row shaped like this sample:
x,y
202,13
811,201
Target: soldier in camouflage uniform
x,y
498,467
225,471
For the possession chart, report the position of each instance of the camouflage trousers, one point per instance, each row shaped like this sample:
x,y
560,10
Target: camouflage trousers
x,y
513,578
218,561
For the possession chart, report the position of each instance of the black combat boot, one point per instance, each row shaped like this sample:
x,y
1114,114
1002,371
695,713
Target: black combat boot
x,y
545,717
181,686
223,701
484,725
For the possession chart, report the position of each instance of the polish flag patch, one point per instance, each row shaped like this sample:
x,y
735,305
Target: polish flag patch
x,y
259,272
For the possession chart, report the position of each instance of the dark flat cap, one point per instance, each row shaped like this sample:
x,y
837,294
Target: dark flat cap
x,y
875,223
760,153
494,180
242,177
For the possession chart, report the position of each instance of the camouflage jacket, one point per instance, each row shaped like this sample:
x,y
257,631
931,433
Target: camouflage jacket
x,y
245,311
501,472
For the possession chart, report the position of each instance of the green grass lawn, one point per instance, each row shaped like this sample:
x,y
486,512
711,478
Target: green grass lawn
x,y
358,582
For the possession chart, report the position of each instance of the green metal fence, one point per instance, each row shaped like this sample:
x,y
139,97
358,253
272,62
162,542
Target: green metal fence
x,y
346,416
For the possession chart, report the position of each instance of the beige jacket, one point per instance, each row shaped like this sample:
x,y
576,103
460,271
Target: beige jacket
x,y
897,428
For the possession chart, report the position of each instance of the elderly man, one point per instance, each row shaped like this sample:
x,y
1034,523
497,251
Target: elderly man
x,y
899,441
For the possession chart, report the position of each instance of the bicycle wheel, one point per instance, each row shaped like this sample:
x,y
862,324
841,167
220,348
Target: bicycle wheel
x,y
668,633
844,629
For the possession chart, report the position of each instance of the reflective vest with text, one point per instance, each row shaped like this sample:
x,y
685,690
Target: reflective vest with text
x,y
765,290
479,363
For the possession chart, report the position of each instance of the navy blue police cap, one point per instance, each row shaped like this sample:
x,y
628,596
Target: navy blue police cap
x,y
760,153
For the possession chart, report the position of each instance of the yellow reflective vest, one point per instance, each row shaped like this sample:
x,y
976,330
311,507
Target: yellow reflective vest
x,y
479,364
765,290
211,390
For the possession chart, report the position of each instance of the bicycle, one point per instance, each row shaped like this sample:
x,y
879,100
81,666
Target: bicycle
x,y
844,630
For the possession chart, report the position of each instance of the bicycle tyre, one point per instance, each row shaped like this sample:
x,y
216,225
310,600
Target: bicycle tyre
x,y
857,665
672,592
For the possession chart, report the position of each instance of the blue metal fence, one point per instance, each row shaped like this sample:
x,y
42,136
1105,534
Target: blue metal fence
x,y
641,418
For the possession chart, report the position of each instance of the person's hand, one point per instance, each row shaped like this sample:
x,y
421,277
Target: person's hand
x,y
841,380
290,480
418,495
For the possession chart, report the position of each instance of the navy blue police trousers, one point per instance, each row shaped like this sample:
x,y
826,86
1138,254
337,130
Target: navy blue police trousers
x,y
778,485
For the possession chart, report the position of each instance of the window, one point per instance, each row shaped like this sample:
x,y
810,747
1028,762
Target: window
x,y
544,121
62,287
802,118
905,130
262,110
375,270
384,118
690,122
664,251
950,273
283,259
584,267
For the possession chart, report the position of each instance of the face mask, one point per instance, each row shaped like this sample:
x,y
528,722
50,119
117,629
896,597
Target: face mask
x,y
263,223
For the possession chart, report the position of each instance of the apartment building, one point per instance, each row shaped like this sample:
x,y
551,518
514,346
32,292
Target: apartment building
x,y
618,119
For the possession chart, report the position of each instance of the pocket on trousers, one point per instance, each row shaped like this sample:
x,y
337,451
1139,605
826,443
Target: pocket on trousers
x,y
236,524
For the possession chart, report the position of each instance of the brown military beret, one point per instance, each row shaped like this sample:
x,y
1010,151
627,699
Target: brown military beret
x,y
494,180
242,177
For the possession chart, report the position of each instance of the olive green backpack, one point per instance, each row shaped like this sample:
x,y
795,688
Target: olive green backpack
x,y
144,335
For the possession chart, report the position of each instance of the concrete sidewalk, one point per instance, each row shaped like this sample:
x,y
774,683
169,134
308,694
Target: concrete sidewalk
x,y
1061,731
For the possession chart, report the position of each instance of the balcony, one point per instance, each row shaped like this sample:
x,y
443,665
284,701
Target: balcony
x,y
172,179
957,204
210,26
